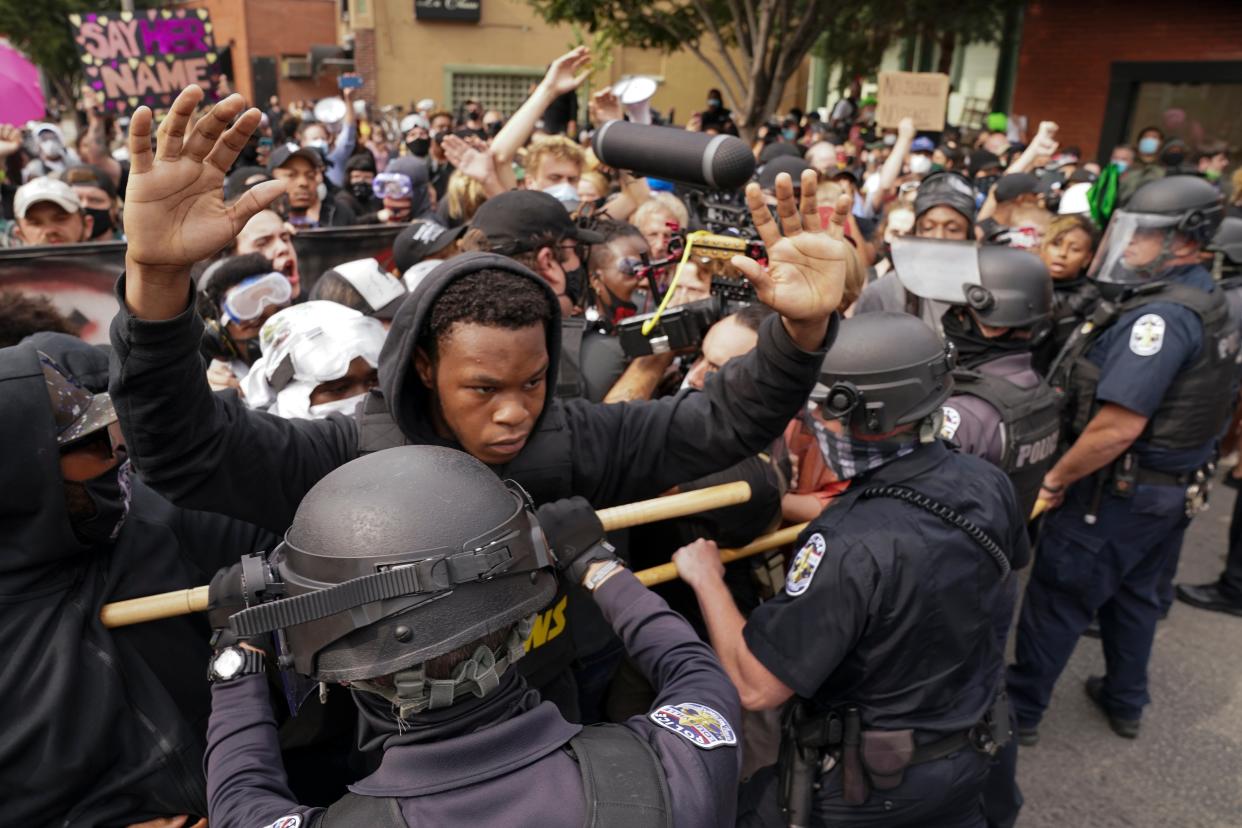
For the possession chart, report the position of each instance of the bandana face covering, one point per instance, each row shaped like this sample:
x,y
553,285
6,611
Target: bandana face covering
x,y
110,495
849,458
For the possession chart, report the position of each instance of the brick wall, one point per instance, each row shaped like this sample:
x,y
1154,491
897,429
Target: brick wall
x,y
365,63
1068,47
291,27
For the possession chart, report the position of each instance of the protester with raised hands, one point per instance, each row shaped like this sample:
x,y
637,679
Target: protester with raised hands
x,y
466,363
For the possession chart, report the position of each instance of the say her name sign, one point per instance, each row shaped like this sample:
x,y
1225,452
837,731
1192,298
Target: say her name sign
x,y
136,58
918,95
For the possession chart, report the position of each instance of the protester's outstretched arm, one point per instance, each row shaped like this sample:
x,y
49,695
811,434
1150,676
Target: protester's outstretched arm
x,y
1044,144
564,75
175,213
891,170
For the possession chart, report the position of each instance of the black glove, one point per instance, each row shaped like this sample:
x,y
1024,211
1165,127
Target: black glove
x,y
225,596
575,535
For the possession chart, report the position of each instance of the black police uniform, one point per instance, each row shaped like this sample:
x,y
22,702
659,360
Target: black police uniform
x,y
1072,302
912,632
1167,356
503,759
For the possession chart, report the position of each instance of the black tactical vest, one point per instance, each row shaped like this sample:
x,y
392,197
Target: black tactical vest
x,y
569,369
1200,400
1030,428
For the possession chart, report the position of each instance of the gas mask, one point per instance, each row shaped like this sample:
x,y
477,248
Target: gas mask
x,y
109,496
566,194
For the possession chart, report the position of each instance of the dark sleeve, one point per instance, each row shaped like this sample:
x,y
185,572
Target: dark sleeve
x,y
684,672
802,638
342,214
628,451
214,541
246,782
601,362
973,425
207,451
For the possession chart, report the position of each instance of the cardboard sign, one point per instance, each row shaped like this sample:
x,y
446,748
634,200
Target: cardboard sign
x,y
918,95
146,57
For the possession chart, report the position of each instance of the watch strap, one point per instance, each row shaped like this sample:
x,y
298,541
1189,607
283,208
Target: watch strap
x,y
253,663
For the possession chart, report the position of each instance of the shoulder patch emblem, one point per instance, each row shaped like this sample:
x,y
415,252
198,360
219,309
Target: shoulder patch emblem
x,y
952,419
702,726
291,821
804,564
1147,335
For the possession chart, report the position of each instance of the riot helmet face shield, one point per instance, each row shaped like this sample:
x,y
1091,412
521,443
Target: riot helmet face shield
x,y
943,271
1138,248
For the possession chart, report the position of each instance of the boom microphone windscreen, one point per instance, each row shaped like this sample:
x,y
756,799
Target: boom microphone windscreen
x,y
718,162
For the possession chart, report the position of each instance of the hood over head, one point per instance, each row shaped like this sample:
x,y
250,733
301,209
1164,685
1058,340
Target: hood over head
x,y
34,519
408,399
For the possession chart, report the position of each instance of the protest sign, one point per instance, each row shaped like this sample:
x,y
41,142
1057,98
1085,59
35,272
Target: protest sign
x,y
918,95
146,57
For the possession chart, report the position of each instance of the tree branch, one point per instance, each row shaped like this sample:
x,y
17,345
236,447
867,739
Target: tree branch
x,y
712,28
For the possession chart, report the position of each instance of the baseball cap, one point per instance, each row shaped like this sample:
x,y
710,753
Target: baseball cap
x,y
1013,185
981,159
782,164
414,119
235,182
45,189
90,176
516,221
923,144
422,238
773,151
76,411
281,155
380,293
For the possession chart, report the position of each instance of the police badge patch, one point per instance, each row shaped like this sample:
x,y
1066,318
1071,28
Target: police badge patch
x,y
291,821
952,420
1147,335
804,565
704,727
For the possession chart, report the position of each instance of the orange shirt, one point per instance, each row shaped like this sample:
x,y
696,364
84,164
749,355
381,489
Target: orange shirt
x,y
814,476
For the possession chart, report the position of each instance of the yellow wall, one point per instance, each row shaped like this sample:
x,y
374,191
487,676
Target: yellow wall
x,y
411,56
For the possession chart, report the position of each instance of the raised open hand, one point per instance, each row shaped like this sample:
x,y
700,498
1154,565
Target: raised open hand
x,y
471,160
805,276
605,107
10,140
175,213
567,72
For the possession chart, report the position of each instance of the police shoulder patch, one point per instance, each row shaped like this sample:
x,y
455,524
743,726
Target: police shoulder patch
x,y
1147,335
698,723
291,821
952,420
804,564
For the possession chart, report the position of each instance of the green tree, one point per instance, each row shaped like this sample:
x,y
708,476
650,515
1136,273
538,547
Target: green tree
x,y
41,30
751,47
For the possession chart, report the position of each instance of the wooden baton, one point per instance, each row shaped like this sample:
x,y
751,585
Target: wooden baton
x,y
668,572
186,601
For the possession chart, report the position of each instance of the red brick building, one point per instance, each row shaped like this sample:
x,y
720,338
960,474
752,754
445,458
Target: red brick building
x,y
1104,69
271,40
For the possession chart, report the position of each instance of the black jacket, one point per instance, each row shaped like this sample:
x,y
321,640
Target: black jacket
x,y
210,452
101,727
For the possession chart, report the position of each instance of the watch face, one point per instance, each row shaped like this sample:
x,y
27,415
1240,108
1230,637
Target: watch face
x,y
228,663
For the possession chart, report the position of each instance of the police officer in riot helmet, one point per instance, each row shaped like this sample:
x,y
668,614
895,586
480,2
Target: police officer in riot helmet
x,y
899,703
944,208
1001,409
419,599
1149,387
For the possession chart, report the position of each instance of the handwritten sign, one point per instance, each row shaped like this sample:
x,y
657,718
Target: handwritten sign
x,y
918,95
460,10
147,57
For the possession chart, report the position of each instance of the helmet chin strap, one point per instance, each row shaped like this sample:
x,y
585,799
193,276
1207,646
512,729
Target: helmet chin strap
x,y
412,692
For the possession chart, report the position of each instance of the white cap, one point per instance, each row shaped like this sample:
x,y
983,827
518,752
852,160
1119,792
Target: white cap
x,y
413,120
426,105
45,189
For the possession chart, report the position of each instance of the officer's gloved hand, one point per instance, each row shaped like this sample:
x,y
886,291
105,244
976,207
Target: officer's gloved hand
x,y
225,596
575,535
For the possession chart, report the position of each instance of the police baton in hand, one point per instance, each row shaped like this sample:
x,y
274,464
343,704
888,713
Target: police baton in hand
x,y
766,543
186,601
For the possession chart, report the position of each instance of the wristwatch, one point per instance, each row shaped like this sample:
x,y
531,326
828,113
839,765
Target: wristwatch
x,y
234,662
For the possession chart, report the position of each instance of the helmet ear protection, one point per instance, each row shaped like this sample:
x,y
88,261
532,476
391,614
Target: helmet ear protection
x,y
844,398
979,298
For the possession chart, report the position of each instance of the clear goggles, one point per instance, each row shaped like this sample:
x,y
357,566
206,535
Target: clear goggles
x,y
246,301
392,185
1135,248
322,354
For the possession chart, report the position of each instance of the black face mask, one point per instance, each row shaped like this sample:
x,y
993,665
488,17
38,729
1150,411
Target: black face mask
x,y
575,281
418,147
493,129
362,191
102,223
98,507
973,348
984,185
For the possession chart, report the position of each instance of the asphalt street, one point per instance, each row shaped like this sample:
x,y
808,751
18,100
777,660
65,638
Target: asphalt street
x,y
1185,768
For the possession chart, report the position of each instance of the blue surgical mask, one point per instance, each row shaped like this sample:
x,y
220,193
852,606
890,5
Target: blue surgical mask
x,y
1149,146
790,134
1121,166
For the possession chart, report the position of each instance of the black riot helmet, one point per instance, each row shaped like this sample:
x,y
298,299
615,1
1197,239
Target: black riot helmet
x,y
1140,241
398,557
884,370
1014,290
1228,241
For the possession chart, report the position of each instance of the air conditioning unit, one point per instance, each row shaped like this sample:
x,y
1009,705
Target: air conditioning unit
x,y
297,67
